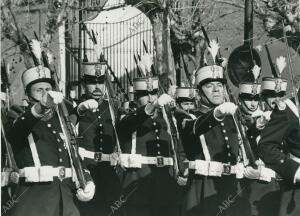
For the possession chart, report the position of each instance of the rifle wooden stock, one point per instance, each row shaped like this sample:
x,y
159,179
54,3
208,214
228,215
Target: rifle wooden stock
x,y
172,131
68,131
111,95
10,155
238,120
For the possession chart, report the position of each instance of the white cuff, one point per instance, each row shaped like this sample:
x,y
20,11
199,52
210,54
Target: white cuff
x,y
218,119
297,174
34,113
146,110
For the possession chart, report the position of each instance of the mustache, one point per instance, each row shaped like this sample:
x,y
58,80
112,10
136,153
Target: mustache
x,y
97,92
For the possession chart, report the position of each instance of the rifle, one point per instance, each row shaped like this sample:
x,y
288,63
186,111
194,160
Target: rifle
x,y
110,93
128,77
168,115
140,74
68,130
11,163
237,117
274,72
35,60
186,69
5,84
294,88
117,81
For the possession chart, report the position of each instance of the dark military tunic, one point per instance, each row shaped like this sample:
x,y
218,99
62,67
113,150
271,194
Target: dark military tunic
x,y
47,198
209,195
97,135
264,197
283,127
150,190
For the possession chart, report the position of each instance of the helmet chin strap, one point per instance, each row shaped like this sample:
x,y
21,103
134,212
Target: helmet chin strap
x,y
32,99
268,105
204,100
245,107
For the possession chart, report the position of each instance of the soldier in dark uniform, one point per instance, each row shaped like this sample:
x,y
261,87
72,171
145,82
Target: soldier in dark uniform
x,y
283,127
215,156
46,184
186,98
98,141
263,189
149,185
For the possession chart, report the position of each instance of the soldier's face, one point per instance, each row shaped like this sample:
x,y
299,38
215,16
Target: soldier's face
x,y
96,91
214,91
37,90
144,98
252,105
187,105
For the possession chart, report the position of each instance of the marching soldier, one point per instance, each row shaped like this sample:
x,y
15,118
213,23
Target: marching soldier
x,y
211,142
264,198
98,141
186,98
46,177
147,154
283,127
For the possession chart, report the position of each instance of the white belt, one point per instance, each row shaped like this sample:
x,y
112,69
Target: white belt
x,y
136,160
214,168
45,173
98,156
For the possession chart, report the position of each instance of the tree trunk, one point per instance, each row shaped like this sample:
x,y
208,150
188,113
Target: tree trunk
x,y
164,61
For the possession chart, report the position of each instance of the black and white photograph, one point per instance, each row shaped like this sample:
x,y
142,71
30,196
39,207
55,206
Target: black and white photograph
x,y
150,107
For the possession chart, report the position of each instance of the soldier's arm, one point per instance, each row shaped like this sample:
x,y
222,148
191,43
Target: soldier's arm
x,y
200,125
129,123
270,147
20,127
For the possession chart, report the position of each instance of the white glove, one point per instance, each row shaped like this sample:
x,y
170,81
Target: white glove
x,y
183,180
257,113
51,98
90,104
263,118
87,193
225,109
164,99
251,173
